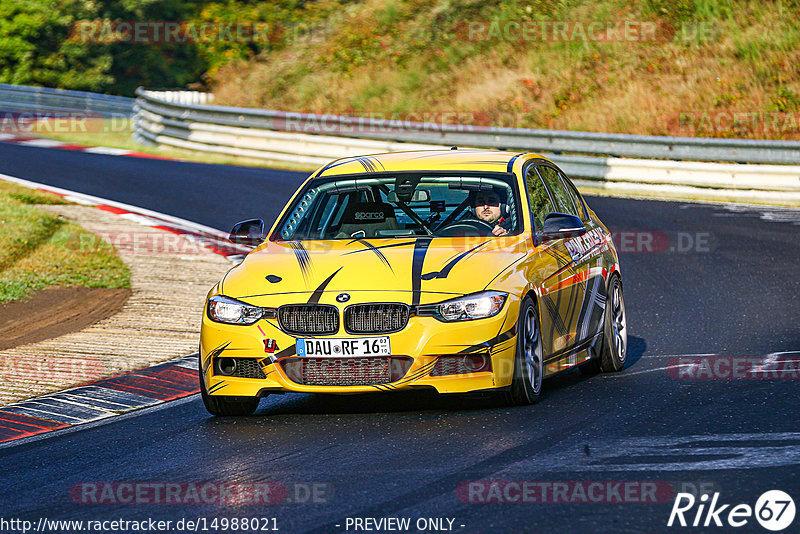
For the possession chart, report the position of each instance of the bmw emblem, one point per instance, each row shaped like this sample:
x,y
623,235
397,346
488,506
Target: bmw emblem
x,y
342,297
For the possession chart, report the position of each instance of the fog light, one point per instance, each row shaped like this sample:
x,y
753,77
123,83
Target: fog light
x,y
456,364
475,364
226,366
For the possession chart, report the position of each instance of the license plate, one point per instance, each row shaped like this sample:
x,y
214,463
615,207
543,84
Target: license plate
x,y
343,347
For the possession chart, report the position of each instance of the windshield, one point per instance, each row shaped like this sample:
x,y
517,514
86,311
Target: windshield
x,y
390,206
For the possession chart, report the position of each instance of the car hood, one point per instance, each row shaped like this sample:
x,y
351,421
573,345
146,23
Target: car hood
x,y
455,266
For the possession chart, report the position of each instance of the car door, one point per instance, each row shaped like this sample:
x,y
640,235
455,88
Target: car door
x,y
590,263
564,287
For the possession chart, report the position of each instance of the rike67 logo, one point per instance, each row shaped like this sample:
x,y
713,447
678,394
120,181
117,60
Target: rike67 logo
x,y
774,511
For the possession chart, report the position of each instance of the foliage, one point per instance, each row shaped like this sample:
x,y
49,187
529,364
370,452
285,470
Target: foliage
x,y
365,56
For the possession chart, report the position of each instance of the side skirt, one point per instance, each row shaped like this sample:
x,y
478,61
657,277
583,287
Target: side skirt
x,y
572,357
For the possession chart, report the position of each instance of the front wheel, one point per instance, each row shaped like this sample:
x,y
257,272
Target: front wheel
x,y
526,384
225,405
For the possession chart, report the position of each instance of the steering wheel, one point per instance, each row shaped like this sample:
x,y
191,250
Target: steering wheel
x,y
466,227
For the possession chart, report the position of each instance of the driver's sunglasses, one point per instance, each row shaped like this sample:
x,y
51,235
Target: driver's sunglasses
x,y
486,200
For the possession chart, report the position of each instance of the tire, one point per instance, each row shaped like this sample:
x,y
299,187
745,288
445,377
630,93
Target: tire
x,y
526,384
615,329
226,405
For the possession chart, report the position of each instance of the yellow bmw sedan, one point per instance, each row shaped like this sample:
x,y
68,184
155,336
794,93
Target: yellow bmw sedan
x,y
459,271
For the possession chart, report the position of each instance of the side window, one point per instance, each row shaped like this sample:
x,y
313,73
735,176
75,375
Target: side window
x,y
561,198
539,198
576,198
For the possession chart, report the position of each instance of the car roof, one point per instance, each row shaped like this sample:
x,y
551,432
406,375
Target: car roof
x,y
426,160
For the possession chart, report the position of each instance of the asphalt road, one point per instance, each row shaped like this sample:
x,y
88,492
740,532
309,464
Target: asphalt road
x,y
728,288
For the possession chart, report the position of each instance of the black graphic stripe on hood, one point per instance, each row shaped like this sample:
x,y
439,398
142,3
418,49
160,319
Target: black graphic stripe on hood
x,y
505,336
420,249
392,245
315,296
447,268
303,259
374,249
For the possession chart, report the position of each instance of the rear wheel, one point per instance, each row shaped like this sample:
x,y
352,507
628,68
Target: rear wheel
x,y
226,405
526,384
615,330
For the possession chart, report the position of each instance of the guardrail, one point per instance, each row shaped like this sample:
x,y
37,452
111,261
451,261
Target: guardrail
x,y
29,99
638,146
273,135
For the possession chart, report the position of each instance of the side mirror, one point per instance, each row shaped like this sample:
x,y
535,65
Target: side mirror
x,y
561,226
250,232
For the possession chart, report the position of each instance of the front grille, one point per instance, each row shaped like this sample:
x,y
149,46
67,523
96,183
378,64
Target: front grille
x,y
309,319
346,371
375,318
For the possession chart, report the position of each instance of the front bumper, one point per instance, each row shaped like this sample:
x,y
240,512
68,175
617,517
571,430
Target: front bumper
x,y
423,340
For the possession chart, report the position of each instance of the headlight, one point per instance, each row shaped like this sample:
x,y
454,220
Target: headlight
x,y
476,306
226,310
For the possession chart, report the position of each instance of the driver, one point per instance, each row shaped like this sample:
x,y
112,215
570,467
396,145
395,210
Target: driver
x,y
487,208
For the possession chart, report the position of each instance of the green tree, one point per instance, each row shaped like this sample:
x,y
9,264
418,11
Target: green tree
x,y
35,49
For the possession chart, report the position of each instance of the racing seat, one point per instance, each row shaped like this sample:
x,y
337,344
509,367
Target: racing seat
x,y
369,217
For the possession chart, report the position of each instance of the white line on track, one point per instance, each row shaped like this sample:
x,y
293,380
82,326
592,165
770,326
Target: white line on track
x,y
107,150
623,375
44,143
700,452
763,366
690,355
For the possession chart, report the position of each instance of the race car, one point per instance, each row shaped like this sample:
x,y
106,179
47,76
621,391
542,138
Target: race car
x,y
461,271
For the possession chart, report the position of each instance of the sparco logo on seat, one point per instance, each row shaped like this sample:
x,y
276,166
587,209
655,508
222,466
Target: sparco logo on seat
x,y
369,215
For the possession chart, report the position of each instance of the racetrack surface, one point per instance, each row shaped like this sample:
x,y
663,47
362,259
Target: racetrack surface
x,y
405,455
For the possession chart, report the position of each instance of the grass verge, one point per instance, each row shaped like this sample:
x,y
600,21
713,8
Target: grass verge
x,y
39,250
